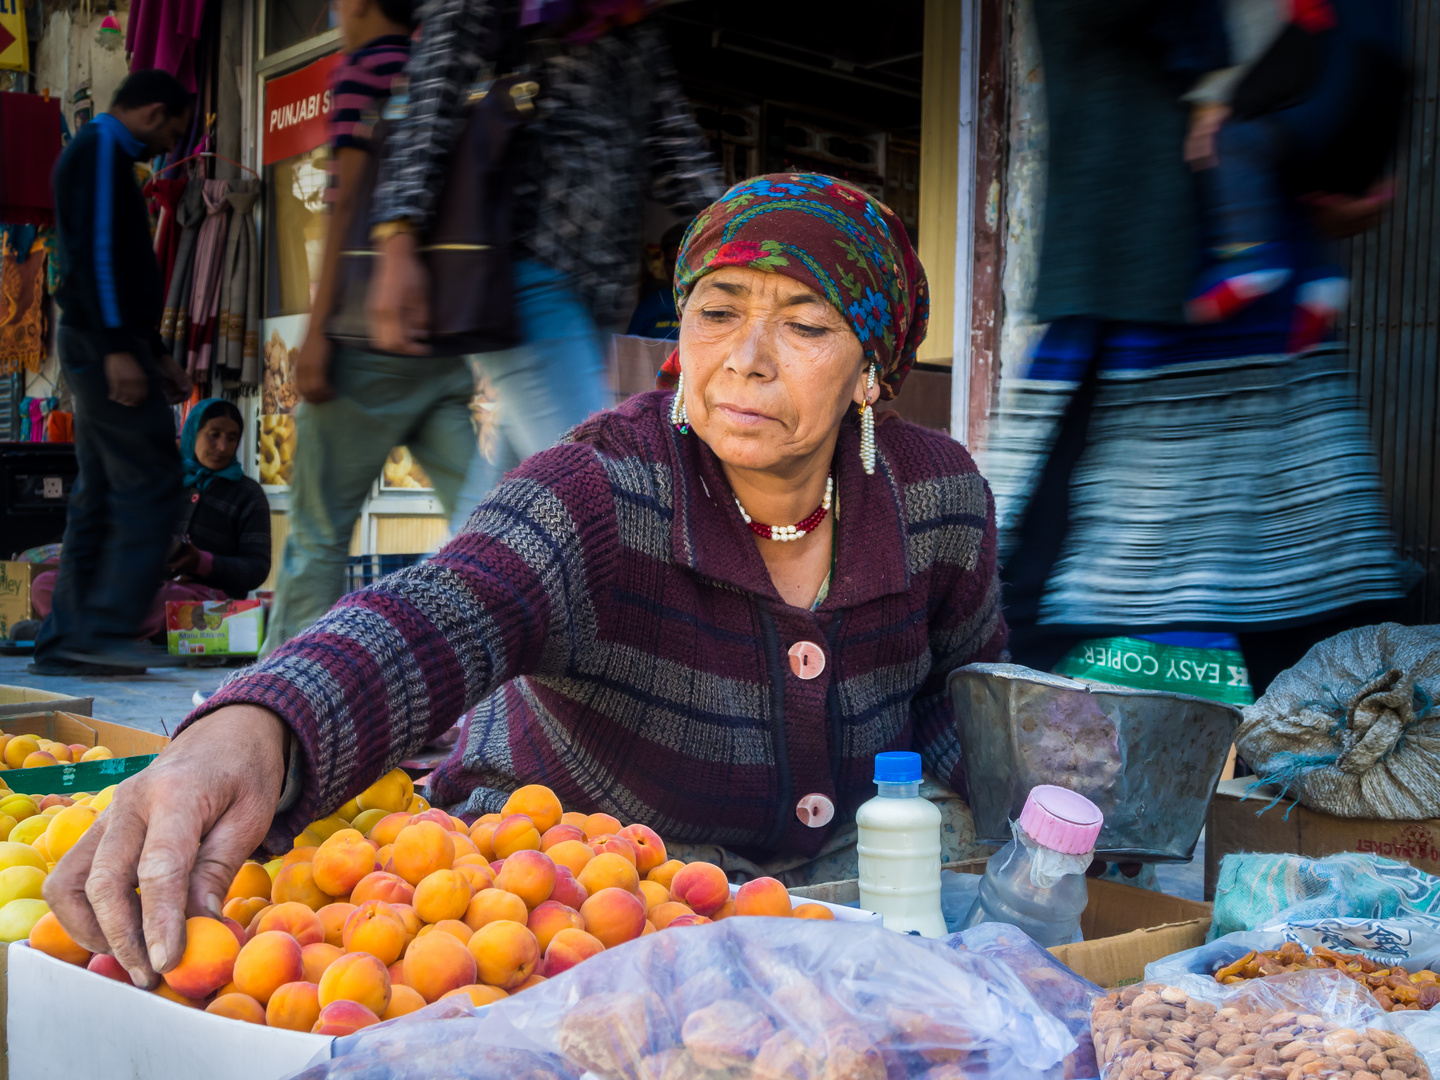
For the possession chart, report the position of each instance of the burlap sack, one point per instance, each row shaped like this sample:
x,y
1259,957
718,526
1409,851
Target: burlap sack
x,y
1353,729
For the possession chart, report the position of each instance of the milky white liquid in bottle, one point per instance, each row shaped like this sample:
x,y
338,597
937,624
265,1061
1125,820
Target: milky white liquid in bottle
x,y
899,849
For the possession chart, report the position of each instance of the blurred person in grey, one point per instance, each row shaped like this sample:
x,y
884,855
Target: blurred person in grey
x,y
1153,476
612,127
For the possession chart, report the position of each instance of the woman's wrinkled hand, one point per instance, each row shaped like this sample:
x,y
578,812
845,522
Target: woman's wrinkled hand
x,y
398,303
178,831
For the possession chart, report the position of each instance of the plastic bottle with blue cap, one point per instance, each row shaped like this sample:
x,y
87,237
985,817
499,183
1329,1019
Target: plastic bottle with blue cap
x,y
899,849
1037,880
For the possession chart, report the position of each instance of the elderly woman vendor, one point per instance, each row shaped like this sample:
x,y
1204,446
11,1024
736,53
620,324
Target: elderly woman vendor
x,y
696,611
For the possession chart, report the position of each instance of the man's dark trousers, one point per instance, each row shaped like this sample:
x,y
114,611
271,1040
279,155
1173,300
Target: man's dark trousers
x,y
122,512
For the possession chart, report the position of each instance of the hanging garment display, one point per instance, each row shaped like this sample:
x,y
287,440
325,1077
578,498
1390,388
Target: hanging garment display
x,y
163,34
165,194
209,273
29,148
175,322
22,303
238,345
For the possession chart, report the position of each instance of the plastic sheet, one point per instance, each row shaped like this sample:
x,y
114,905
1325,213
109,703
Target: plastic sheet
x,y
742,999
1278,1026
1058,990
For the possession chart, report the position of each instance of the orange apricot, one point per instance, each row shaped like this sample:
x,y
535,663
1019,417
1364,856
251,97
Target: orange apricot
x,y
341,861
649,928
477,994
604,843
663,914
166,991
568,948
293,918
763,896
567,890
358,977
690,920
294,1006
332,918
105,964
613,916
316,958
420,850
514,833
250,881
649,848
482,835
813,911
385,830
665,872
50,937
243,909
464,846
549,919
238,1007
344,1018
530,875
403,1001
303,853
267,962
479,877
574,817
598,824
653,893
726,910
490,905
454,927
558,834
373,928
208,960
701,885
382,885
609,871
445,894
505,953
537,802
574,855
533,980
296,883
253,927
408,919
436,964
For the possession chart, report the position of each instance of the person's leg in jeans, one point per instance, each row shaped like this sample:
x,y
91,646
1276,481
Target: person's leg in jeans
x,y
443,440
340,448
122,513
547,385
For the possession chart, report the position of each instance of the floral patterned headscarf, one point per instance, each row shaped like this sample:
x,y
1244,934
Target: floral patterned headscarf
x,y
847,246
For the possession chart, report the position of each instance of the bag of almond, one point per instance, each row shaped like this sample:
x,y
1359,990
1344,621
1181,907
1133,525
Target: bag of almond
x,y
1284,1027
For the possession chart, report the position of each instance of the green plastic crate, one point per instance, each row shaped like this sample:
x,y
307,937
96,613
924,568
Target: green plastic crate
x,y
62,779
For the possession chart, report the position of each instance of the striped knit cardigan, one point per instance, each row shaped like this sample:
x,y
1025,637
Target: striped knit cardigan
x,y
607,615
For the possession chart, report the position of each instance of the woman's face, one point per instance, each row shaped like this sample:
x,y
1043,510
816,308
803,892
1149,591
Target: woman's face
x,y
217,442
770,368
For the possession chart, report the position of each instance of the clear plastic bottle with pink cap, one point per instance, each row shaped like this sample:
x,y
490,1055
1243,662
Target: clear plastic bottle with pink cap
x,y
1037,880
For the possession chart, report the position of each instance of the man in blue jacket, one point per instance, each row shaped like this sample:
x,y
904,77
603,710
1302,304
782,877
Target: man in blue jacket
x,y
126,500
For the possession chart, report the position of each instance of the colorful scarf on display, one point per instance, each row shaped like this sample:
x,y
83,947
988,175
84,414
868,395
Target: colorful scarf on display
x,y
209,275
846,245
197,475
175,322
237,347
23,262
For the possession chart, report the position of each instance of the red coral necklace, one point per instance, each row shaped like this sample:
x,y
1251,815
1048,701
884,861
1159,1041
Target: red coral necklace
x,y
800,528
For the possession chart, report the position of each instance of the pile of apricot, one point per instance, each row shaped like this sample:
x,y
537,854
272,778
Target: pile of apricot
x,y
389,905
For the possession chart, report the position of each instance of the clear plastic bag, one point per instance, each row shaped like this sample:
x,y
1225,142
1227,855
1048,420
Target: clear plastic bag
x,y
742,999
1058,990
1285,1027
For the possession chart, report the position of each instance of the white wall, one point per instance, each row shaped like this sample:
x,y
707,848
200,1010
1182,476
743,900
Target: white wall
x,y
66,55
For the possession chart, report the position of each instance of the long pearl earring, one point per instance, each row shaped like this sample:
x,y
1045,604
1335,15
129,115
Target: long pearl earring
x,y
679,415
867,427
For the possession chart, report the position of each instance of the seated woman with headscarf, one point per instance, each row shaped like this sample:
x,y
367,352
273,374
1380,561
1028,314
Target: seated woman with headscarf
x,y
705,611
222,541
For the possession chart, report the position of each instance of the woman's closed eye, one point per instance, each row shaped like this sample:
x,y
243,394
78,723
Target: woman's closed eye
x,y
807,330
717,315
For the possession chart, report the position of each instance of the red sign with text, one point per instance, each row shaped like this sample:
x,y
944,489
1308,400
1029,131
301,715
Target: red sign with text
x,y
297,110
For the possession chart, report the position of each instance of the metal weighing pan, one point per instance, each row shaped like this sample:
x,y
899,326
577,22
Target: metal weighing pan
x,y
1148,759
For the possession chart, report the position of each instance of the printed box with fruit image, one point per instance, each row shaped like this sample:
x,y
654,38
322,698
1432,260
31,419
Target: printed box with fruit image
x,y
214,627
